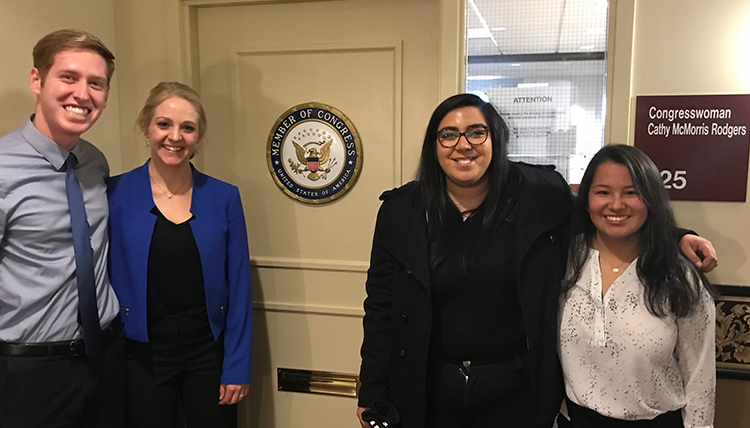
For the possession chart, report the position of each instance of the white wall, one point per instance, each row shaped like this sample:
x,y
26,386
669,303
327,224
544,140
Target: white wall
x,y
22,24
702,47
148,43
699,47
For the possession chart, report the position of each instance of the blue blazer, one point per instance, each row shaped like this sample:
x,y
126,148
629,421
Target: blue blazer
x,y
221,235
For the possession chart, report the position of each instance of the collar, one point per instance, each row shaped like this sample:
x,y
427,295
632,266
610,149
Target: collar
x,y
51,151
407,218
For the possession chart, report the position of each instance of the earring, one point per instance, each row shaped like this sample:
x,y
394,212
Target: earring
x,y
147,143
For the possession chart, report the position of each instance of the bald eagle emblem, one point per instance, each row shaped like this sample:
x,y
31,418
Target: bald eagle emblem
x,y
314,159
314,153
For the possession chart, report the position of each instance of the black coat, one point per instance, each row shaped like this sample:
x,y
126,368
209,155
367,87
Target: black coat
x,y
398,308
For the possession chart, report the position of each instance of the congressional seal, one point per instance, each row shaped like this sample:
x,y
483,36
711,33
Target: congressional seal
x,y
314,153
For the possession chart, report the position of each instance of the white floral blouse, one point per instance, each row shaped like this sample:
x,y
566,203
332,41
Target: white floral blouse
x,y
623,362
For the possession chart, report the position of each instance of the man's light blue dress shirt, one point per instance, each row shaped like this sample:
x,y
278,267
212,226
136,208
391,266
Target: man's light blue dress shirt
x,y
38,292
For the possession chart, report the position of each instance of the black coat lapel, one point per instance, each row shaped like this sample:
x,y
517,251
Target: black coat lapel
x,y
407,240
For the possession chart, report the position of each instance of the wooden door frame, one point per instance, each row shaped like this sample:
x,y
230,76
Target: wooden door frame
x,y
452,72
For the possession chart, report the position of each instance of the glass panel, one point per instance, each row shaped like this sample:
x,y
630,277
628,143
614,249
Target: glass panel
x,y
543,65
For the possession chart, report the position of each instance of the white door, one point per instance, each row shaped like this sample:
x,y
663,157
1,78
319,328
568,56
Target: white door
x,y
378,62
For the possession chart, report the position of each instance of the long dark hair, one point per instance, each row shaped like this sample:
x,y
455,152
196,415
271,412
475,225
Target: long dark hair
x,y
672,283
431,177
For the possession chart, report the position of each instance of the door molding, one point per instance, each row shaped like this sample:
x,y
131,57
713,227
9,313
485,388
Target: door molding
x,y
307,309
393,46
327,265
451,79
620,111
309,264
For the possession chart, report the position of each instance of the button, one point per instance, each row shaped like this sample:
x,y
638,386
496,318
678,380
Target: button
x,y
74,350
403,353
552,239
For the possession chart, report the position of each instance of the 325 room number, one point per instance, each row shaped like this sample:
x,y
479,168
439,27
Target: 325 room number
x,y
674,180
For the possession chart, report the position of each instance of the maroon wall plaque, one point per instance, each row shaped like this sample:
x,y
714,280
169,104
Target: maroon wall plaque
x,y
700,143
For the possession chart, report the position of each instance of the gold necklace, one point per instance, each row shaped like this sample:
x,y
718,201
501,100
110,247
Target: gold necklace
x,y
615,269
169,195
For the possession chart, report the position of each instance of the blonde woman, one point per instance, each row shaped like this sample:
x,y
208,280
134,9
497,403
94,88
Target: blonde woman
x,y
180,268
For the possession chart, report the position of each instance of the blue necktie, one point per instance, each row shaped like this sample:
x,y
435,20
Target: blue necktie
x,y
88,314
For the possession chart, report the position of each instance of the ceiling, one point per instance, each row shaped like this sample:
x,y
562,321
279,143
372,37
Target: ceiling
x,y
518,27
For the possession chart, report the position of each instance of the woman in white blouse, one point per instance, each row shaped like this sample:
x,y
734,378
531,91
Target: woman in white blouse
x,y
636,317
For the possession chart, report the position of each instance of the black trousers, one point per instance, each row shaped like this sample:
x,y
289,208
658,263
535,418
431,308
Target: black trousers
x,y
478,396
176,372
582,417
62,391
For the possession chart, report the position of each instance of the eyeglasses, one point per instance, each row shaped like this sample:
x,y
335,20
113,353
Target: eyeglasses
x,y
475,135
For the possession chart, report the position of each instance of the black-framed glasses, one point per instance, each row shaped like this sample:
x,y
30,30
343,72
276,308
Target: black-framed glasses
x,y
475,134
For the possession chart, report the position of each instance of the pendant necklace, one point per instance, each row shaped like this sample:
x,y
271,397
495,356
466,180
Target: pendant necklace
x,y
615,269
169,195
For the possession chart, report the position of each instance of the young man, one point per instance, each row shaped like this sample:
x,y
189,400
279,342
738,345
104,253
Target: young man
x,y
60,353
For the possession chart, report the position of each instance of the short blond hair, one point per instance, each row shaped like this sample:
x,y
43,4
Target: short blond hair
x,y
162,92
69,39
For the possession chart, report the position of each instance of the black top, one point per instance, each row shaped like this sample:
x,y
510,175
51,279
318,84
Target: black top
x,y
477,312
398,309
176,295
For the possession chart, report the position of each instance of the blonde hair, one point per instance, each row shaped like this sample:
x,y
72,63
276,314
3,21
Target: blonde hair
x,y
69,39
164,91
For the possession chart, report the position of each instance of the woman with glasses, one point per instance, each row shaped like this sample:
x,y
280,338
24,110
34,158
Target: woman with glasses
x,y
460,318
